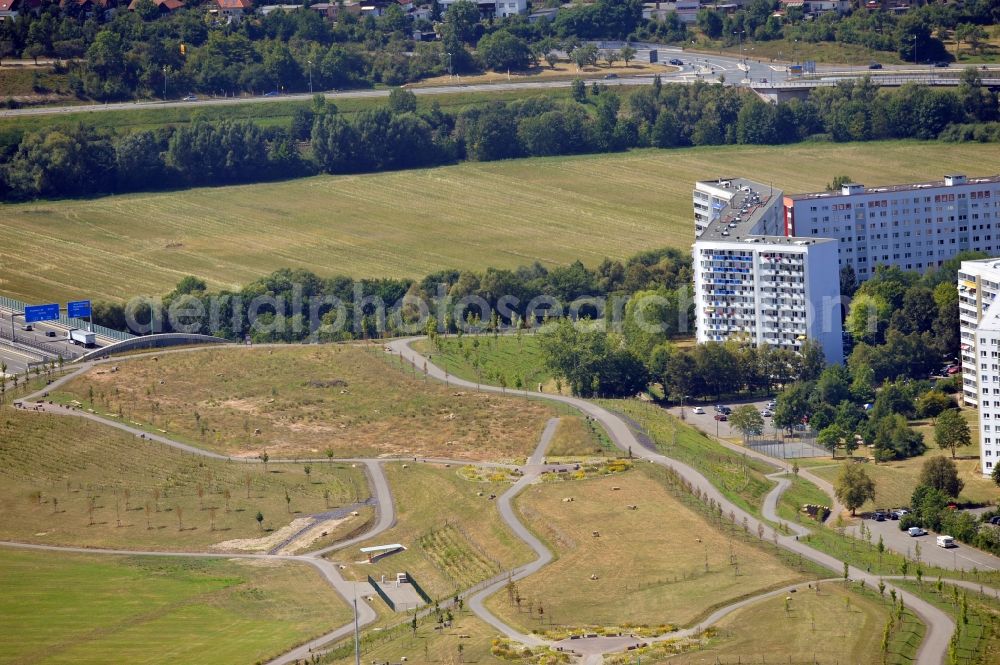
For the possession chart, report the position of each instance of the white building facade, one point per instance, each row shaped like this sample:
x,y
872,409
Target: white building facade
x,y
979,317
915,226
769,290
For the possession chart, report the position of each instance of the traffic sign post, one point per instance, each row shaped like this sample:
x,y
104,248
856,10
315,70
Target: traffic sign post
x,y
81,309
34,313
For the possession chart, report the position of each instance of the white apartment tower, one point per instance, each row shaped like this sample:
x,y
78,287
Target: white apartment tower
x,y
979,316
754,282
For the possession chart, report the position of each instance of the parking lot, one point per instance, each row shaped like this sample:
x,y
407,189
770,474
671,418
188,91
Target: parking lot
x,y
773,442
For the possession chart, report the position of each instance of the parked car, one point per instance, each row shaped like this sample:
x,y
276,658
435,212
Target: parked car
x,y
190,98
946,542
954,369
698,410
766,413
915,531
878,516
995,520
721,417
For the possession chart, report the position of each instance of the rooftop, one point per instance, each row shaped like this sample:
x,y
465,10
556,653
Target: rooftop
x,y
791,241
956,181
750,202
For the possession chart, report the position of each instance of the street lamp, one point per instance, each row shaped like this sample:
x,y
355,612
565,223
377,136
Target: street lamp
x,y
164,83
310,63
450,72
915,62
739,34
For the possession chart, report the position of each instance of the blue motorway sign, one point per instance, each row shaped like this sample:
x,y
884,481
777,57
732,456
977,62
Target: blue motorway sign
x,y
34,313
79,309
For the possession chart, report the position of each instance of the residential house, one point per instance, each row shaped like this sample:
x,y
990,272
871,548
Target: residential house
x,y
165,6
230,11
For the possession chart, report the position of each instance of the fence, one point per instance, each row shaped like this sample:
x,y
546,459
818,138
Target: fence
x,y
382,594
18,306
418,588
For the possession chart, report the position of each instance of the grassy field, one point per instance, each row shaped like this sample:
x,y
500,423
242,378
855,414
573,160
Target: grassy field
x,y
453,534
739,477
663,563
486,358
264,113
69,608
306,401
54,468
979,639
895,481
411,223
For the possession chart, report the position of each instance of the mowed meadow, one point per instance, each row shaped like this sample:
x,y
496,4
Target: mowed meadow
x,y
408,224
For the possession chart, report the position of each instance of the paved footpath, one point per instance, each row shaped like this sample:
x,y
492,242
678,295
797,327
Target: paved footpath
x,y
933,650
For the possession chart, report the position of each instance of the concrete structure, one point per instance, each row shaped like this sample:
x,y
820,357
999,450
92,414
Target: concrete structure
x,y
979,322
754,282
497,8
914,226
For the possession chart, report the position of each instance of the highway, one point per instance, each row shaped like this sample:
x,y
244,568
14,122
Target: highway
x,y
46,341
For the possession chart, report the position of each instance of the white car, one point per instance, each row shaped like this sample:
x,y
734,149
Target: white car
x,y
190,98
698,411
915,531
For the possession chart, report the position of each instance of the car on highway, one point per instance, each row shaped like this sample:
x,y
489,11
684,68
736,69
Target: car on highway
x,y
721,417
273,93
942,63
698,411
915,531
27,327
875,65
190,98
676,61
50,333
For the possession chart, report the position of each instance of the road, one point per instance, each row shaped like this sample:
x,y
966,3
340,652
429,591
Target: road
x,y
933,650
962,557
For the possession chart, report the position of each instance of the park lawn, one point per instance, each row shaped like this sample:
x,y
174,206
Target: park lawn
x,y
895,481
494,359
454,537
979,639
649,563
309,401
741,478
577,436
429,644
76,608
52,467
412,223
798,494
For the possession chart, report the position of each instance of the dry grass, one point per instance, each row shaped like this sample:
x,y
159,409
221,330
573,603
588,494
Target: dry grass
x,y
578,437
52,468
649,563
408,224
305,401
561,71
72,608
455,537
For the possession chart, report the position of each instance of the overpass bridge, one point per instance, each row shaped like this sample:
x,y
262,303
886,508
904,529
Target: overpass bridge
x,y
799,88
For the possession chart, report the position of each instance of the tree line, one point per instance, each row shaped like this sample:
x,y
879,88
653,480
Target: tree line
x,y
83,161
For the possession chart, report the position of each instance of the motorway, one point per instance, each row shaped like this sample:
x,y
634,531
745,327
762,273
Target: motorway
x,y
697,66
21,349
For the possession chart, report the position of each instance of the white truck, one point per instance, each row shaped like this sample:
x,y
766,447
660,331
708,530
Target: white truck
x,y
81,337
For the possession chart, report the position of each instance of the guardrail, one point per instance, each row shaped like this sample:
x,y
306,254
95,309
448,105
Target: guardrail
x,y
153,342
887,80
41,348
18,306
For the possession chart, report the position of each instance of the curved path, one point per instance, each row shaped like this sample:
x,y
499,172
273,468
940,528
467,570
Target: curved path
x,y
940,626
